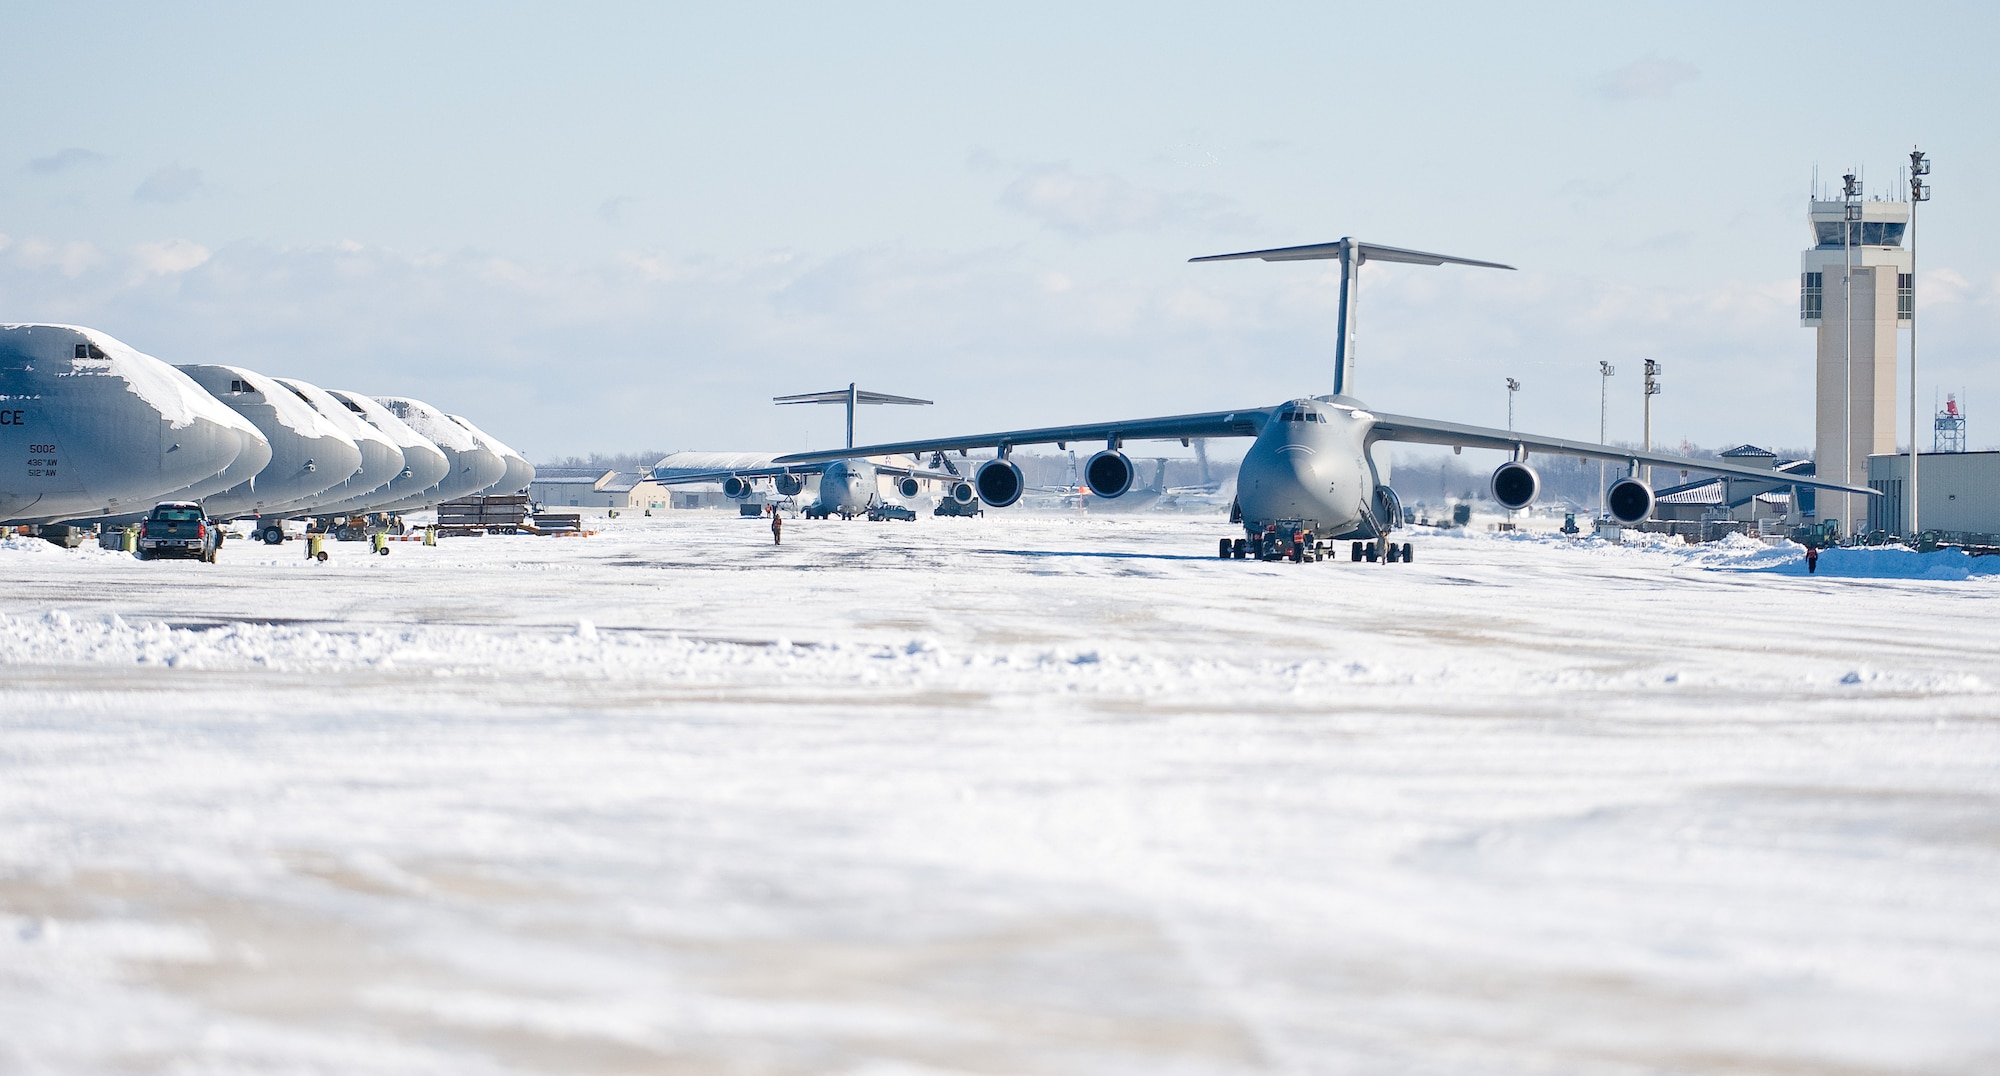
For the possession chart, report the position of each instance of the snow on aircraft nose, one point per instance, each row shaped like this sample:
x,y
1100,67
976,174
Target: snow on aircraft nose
x,y
424,464
107,428
381,460
473,467
309,455
519,472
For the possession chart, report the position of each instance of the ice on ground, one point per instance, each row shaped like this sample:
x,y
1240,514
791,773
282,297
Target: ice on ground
x,y
1010,794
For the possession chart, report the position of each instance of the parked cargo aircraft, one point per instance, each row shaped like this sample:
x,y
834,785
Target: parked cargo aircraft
x,y
90,427
309,454
424,464
519,472
1310,475
94,431
474,466
848,486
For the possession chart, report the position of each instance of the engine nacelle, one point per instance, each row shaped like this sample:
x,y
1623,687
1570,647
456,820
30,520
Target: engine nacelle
x,y
1515,484
1629,500
1108,474
736,488
1388,508
962,493
789,485
908,486
999,482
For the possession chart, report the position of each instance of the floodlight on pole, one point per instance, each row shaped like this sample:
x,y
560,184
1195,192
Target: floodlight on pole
x,y
1920,166
1850,196
1652,390
1604,372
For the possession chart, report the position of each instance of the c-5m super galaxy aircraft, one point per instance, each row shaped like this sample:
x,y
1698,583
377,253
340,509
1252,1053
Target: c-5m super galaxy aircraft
x,y
1310,475
849,484
93,431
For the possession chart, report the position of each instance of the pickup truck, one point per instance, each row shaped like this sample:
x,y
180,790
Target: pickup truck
x,y
178,529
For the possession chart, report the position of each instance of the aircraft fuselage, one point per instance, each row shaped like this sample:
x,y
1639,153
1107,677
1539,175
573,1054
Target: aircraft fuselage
x,y
848,488
1310,468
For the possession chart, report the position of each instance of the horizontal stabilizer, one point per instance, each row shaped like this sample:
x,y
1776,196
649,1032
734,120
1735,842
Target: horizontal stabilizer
x,y
1366,252
840,396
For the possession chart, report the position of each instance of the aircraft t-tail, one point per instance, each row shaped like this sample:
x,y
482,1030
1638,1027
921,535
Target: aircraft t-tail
x,y
1310,476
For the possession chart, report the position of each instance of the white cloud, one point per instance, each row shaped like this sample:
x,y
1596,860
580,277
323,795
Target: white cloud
x,y
71,259
169,257
170,184
1651,76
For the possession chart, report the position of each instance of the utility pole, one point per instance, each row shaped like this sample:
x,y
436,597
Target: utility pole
x,y
1513,387
1652,390
1850,195
1920,166
1604,372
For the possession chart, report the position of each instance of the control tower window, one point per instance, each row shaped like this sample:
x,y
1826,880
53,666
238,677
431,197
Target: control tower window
x,y
1906,296
1812,291
1867,233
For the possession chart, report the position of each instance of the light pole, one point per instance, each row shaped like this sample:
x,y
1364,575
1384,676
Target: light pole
x,y
1850,193
1513,387
1652,390
1604,372
1920,166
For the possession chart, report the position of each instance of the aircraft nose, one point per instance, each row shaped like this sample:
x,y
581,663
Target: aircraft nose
x,y
199,450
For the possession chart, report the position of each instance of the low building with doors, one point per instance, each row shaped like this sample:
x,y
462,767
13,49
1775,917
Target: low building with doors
x,y
596,487
1957,493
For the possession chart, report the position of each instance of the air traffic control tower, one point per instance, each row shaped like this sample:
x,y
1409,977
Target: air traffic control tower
x,y
1857,342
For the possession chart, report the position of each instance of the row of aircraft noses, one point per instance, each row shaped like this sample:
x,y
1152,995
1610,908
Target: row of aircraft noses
x,y
92,430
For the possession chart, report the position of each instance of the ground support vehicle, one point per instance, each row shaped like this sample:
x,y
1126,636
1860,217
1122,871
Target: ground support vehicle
x,y
880,512
179,529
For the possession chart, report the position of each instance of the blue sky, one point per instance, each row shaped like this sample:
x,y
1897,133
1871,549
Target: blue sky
x,y
624,227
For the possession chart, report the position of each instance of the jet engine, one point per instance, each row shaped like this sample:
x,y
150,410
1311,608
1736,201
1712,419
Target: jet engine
x,y
1000,482
789,485
908,486
961,493
736,488
1514,485
1629,500
1108,474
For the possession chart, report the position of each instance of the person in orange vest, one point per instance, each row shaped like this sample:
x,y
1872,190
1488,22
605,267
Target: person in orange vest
x,y
1812,559
777,526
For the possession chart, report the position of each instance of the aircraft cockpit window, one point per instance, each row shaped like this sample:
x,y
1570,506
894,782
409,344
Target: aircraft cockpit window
x,y
354,407
88,351
238,385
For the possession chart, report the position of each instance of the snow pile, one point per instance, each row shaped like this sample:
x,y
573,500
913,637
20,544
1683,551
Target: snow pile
x,y
1887,562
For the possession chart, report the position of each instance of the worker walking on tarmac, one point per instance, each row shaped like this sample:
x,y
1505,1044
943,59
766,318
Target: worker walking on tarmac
x,y
1812,559
777,527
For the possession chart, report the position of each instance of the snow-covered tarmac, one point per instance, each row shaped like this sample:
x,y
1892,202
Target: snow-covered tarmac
x,y
1007,795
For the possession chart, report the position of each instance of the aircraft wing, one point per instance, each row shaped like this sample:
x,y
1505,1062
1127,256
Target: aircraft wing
x,y
1426,431
1247,422
745,472
914,472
